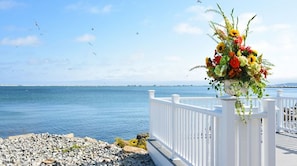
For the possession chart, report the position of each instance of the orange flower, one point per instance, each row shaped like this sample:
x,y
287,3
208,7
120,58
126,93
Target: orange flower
x,y
234,72
208,62
231,54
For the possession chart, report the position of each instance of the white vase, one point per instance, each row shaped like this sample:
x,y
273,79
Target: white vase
x,y
233,87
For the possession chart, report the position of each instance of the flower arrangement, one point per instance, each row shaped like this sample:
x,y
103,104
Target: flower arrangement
x,y
235,60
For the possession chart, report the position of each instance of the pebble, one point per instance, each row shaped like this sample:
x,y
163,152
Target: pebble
x,y
66,150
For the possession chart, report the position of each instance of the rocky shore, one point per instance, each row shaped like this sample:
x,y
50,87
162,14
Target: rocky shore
x,y
66,150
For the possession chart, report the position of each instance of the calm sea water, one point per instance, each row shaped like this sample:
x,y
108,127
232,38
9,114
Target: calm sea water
x,y
99,112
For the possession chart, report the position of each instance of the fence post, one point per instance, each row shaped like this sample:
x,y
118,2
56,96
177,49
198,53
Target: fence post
x,y
175,100
151,96
279,111
269,132
227,155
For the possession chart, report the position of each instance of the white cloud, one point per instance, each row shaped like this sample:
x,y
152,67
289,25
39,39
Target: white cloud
x,y
260,28
86,7
199,13
106,8
185,28
282,36
283,27
8,4
86,38
22,41
245,17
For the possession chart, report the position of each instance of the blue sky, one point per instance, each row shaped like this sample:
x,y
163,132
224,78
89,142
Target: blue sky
x,y
120,42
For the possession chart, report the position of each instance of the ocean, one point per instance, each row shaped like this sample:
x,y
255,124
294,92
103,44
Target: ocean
x,y
101,112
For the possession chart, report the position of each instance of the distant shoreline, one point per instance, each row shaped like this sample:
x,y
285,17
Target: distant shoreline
x,y
268,86
281,86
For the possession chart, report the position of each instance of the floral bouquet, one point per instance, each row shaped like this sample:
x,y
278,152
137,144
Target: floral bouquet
x,y
235,61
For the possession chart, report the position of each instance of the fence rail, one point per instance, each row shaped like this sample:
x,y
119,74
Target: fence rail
x,y
286,115
206,131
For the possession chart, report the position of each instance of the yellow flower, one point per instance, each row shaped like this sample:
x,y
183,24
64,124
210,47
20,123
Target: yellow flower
x,y
234,33
133,142
206,60
238,53
221,47
252,59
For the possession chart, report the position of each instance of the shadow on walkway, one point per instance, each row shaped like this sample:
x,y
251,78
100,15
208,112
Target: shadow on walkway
x,y
286,149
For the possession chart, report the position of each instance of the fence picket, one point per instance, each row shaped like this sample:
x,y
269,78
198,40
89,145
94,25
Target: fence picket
x,y
207,132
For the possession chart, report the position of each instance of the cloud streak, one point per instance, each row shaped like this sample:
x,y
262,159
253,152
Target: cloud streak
x,y
21,41
88,8
198,13
8,4
185,28
86,38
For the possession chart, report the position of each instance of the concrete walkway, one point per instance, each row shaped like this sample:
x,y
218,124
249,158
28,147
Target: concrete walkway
x,y
286,149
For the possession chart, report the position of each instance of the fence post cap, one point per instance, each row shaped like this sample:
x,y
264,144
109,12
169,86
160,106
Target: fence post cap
x,y
175,98
151,93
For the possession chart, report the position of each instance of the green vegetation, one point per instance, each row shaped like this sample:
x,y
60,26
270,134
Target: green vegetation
x,y
139,141
72,148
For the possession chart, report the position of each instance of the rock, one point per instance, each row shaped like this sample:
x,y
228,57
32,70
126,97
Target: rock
x,y
70,135
132,149
49,161
57,150
88,139
21,136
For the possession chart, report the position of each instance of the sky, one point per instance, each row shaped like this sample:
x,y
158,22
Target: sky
x,y
129,42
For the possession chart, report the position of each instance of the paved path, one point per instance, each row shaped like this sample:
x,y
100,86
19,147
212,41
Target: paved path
x,y
286,149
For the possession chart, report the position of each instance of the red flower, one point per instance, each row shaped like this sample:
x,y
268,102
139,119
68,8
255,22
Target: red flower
x,y
238,40
234,62
217,59
242,48
264,71
249,50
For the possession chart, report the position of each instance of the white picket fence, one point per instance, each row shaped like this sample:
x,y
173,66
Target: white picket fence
x,y
205,131
286,116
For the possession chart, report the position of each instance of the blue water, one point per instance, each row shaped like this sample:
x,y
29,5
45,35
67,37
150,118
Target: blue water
x,y
98,112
